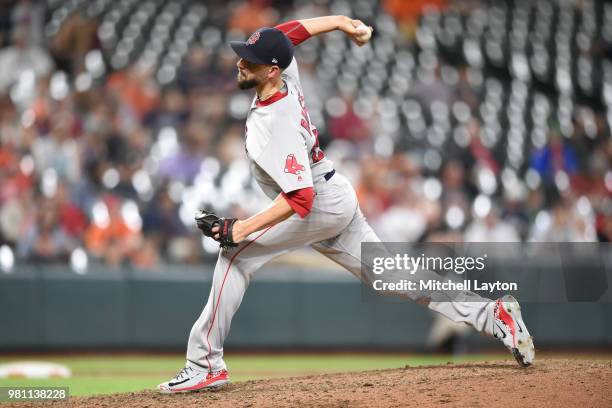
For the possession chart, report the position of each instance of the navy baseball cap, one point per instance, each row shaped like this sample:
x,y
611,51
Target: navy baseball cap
x,y
266,46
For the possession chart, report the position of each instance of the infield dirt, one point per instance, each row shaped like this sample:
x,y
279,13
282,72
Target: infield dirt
x,y
549,383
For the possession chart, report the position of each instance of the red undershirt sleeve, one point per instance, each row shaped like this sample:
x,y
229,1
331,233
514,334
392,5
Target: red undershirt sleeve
x,y
295,31
300,200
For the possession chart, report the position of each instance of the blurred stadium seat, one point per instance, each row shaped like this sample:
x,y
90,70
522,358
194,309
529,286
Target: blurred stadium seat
x,y
474,120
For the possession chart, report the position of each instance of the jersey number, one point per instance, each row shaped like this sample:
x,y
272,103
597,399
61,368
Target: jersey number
x,y
316,154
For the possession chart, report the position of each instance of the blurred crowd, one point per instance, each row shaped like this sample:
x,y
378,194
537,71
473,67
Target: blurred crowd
x,y
112,158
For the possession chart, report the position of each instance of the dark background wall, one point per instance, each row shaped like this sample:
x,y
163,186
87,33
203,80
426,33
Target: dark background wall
x,y
55,308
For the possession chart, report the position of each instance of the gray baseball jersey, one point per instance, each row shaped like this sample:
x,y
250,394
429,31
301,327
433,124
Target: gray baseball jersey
x,y
281,141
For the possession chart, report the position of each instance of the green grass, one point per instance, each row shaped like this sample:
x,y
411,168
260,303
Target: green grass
x,y
107,374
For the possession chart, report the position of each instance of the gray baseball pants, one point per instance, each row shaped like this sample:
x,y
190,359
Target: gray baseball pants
x,y
336,228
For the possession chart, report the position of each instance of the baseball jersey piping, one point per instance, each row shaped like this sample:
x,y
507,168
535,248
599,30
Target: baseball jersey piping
x,y
216,304
275,97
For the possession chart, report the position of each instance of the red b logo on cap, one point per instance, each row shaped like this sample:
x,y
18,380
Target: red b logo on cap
x,y
253,38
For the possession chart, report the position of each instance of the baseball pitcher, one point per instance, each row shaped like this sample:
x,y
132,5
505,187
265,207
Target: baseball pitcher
x,y
311,205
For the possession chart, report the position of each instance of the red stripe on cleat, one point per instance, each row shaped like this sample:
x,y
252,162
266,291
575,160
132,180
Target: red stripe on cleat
x,y
505,317
210,379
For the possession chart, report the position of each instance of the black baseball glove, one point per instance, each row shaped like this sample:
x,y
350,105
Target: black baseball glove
x,y
206,221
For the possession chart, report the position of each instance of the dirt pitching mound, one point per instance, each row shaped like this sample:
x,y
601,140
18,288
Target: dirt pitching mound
x,y
549,383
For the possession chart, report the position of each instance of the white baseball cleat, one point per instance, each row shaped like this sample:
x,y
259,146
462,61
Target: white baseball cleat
x,y
508,326
189,380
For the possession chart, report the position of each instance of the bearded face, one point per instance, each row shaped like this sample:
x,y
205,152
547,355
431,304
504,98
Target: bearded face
x,y
244,83
250,75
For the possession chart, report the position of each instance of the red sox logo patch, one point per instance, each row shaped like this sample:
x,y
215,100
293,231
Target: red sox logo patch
x,y
253,38
293,167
